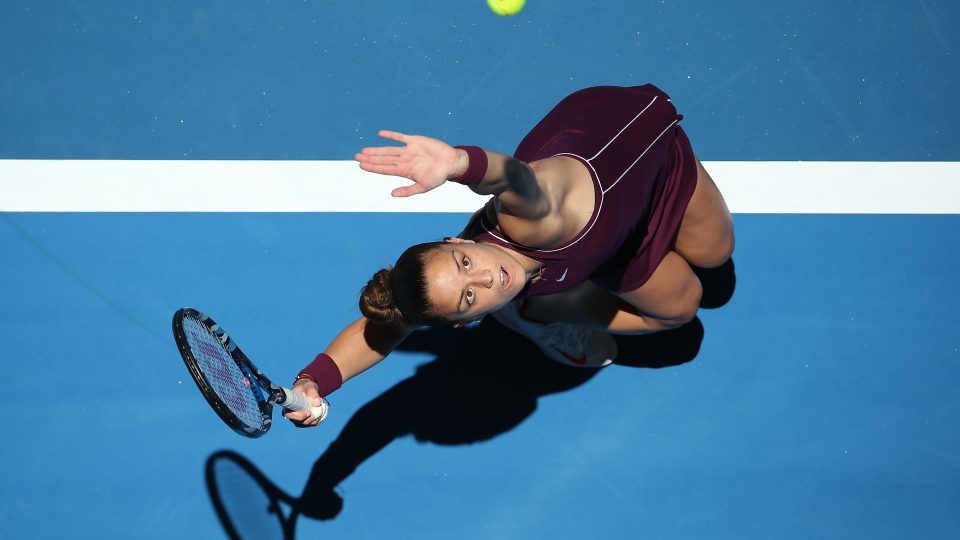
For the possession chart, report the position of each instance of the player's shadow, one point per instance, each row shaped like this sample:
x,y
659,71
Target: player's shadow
x,y
483,382
718,284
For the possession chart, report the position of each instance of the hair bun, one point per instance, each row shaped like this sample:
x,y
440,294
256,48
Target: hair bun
x,y
377,302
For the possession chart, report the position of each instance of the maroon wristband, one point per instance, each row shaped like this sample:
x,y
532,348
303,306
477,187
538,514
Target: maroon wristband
x,y
324,372
476,166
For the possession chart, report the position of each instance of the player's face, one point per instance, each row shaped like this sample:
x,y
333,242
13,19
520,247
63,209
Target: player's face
x,y
468,280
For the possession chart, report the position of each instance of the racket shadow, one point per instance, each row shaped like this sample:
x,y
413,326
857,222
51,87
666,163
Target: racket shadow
x,y
484,381
247,503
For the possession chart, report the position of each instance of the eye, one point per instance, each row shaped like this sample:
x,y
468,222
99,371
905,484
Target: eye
x,y
470,296
466,262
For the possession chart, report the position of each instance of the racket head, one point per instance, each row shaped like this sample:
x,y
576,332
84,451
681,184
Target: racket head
x,y
231,384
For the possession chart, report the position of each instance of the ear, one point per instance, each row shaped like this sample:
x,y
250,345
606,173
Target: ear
x,y
455,240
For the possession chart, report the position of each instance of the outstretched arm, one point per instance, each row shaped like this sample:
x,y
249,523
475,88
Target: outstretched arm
x,y
430,162
358,347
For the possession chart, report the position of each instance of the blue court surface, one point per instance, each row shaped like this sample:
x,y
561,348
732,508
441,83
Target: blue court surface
x,y
818,401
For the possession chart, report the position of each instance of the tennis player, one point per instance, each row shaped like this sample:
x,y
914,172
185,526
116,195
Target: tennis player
x,y
592,229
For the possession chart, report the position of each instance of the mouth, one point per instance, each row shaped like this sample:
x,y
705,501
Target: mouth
x,y
504,278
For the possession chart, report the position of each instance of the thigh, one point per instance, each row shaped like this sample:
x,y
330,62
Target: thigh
x,y
586,304
705,238
672,294
669,298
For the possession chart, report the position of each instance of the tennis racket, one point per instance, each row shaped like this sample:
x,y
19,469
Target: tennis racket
x,y
239,392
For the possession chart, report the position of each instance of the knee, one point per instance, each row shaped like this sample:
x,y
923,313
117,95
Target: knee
x,y
687,306
724,248
680,310
646,324
714,256
712,252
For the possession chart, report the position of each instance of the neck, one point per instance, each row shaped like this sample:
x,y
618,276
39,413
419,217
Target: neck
x,y
532,268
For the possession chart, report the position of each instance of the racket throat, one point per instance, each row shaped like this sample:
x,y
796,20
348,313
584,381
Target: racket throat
x,y
277,396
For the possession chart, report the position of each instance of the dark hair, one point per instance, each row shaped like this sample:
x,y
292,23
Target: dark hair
x,y
398,295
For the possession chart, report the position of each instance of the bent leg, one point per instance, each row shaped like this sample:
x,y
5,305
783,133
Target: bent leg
x,y
705,238
587,304
668,299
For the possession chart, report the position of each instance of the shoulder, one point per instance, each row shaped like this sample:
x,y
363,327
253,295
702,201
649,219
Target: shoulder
x,y
567,186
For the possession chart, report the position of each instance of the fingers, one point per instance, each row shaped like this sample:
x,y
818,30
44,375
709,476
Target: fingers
x,y
388,150
384,160
304,418
380,169
379,151
394,135
406,191
377,159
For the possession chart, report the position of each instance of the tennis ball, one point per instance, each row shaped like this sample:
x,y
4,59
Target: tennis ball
x,y
506,7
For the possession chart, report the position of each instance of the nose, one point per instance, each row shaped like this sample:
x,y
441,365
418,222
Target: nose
x,y
484,279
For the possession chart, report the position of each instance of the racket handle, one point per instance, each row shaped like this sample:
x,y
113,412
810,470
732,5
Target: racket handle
x,y
298,402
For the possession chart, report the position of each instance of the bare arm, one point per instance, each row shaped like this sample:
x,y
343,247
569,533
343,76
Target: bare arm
x,y
430,162
511,181
362,344
359,346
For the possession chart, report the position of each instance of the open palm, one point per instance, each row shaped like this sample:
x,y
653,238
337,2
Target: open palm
x,y
426,161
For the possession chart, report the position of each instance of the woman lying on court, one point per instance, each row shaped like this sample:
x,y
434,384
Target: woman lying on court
x,y
592,229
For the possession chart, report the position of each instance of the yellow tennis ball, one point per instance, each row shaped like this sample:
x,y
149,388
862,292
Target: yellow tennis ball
x,y
506,7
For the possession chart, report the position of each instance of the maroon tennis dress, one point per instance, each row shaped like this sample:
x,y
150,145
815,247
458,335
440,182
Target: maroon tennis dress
x,y
644,174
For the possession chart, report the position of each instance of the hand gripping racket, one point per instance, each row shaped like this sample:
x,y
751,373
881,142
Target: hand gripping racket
x,y
233,386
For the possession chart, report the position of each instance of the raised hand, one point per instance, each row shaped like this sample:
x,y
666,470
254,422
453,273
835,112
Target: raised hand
x,y
426,161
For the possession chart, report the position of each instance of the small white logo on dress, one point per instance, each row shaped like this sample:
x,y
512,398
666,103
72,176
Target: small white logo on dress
x,y
564,276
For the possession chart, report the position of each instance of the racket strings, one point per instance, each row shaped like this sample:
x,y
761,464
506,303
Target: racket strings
x,y
222,373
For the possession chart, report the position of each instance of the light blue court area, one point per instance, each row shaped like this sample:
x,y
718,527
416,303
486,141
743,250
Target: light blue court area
x,y
819,402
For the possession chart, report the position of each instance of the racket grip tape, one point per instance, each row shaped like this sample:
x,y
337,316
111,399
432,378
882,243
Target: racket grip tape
x,y
299,402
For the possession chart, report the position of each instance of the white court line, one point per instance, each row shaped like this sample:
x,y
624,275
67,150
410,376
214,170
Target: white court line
x,y
778,187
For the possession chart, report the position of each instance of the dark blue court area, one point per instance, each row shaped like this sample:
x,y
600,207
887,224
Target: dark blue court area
x,y
816,398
